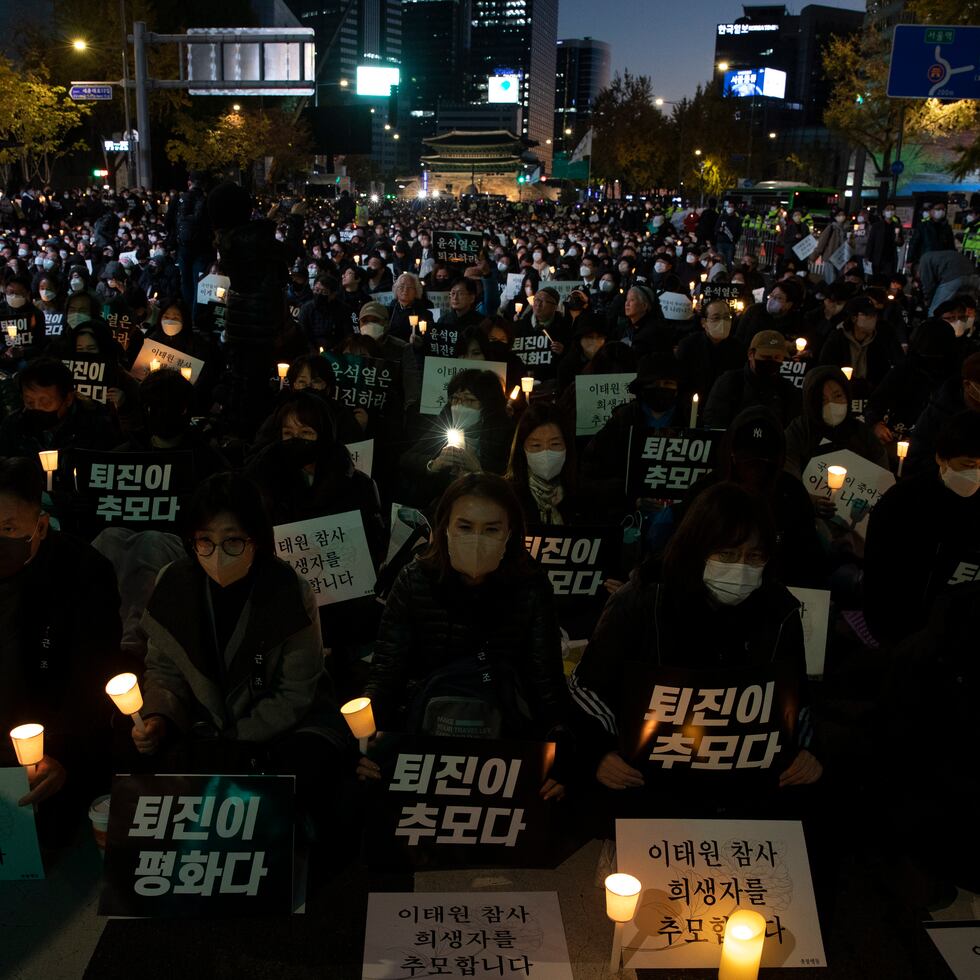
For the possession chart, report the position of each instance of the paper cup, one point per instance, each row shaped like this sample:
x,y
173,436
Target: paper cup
x,y
98,813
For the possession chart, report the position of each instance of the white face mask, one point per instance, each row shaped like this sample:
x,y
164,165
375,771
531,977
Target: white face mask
x,y
77,285
658,221
660,267
47,295
834,413
224,569
692,259
537,256
16,300
731,583
546,464
607,286
502,267
729,210
74,319
938,215
774,305
464,416
889,215
372,329
964,483
476,555
960,327
171,327
718,329
585,271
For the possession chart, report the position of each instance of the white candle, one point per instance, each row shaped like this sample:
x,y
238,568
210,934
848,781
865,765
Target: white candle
x,y
185,373
49,463
12,331
124,690
836,476
527,384
220,293
741,952
901,450
28,744
518,307
515,392
455,439
423,326
694,412
800,344
413,321
282,370
360,719
622,896
847,372
154,365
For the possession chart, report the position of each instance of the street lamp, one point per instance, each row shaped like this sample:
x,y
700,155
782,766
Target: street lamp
x,y
236,108
722,66
697,153
344,83
772,136
568,130
79,44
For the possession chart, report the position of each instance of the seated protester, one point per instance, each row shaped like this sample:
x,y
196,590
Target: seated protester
x,y
462,312
373,323
759,383
59,618
827,424
891,323
353,293
324,321
112,283
529,287
474,591
174,329
642,325
474,344
904,393
166,400
753,456
439,279
819,323
950,398
161,277
80,304
477,406
610,299
542,468
234,675
955,313
54,416
94,338
707,353
379,279
541,338
22,324
859,344
314,374
51,301
712,601
589,334
781,312
919,532
409,301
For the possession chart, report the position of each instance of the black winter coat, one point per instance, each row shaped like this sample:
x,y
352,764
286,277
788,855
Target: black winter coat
x,y
737,390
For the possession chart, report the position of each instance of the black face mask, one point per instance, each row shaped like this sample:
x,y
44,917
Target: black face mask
x,y
300,452
767,370
659,399
40,421
14,554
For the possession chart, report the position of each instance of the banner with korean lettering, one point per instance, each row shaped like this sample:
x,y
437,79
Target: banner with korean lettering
x,y
186,845
437,372
364,382
533,346
732,726
20,855
596,395
696,873
864,485
92,375
665,463
153,356
331,553
440,341
452,802
953,566
457,247
732,291
465,934
143,491
794,371
121,320
54,323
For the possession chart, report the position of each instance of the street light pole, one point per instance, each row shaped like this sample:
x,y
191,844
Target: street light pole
x,y
131,174
143,148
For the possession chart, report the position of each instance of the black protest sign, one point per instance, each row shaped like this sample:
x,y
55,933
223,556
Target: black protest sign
x,y
533,347
680,723
794,371
954,565
457,247
199,845
664,463
92,376
54,323
121,320
364,382
441,341
139,490
460,802
727,290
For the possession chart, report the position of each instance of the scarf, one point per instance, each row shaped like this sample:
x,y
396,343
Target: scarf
x,y
547,496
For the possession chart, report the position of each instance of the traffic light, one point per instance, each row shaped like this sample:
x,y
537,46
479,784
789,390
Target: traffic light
x,y
100,173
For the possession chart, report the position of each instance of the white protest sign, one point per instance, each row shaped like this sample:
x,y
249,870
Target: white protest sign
x,y
437,372
346,234
213,289
385,299
676,306
438,299
596,395
508,934
804,248
167,357
864,485
436,313
959,944
513,287
757,294
840,256
869,269
362,453
128,258
695,873
331,553
564,286
20,857
815,613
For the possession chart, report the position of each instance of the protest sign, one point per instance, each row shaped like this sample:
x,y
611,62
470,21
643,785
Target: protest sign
x,y
959,945
757,294
438,298
815,613
128,258
665,463
54,323
465,934
437,372
408,527
362,454
22,336
863,487
331,553
346,234
563,287
722,290
213,288
92,376
840,256
385,298
364,382
533,346
695,873
451,800
440,341
187,845
166,357
20,856
121,323
954,565
804,248
457,247
794,371
596,395
513,287
676,306
144,491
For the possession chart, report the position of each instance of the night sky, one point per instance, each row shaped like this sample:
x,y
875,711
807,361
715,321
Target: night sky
x,y
672,41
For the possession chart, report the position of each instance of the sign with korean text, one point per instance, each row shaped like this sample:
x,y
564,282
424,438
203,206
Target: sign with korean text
x,y
840,256
513,287
723,290
363,382
465,934
449,801
675,306
440,341
385,299
864,485
121,324
695,873
934,62
92,376
457,247
362,455
439,298
533,346
959,945
596,395
331,553
563,287
815,614
54,323
213,288
20,856
187,845
794,371
437,372
804,248
165,357
21,332
665,463
140,490
953,566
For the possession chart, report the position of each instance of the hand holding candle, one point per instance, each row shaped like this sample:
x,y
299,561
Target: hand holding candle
x,y
622,896
413,321
124,690
360,719
28,743
800,345
741,953
455,439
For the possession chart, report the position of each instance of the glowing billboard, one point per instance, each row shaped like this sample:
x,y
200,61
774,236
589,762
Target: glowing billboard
x,y
377,79
504,88
742,82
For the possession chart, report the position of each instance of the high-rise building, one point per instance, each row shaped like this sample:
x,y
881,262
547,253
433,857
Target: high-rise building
x,y
518,36
582,71
436,50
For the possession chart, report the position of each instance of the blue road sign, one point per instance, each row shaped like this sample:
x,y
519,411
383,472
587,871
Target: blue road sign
x,y
898,167
930,62
82,92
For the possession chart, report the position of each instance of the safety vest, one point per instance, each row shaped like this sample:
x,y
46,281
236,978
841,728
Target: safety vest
x,y
971,238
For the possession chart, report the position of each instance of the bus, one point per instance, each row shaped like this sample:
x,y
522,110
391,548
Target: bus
x,y
792,195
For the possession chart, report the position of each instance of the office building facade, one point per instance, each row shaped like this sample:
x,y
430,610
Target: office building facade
x,y
582,70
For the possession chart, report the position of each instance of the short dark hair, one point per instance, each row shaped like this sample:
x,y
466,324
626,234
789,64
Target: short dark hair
x,y
46,372
959,436
229,493
468,284
485,385
21,477
318,366
793,290
310,410
166,388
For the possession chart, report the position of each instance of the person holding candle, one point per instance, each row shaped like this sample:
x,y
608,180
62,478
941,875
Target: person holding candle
x,y
409,301
706,354
860,344
324,321
22,324
588,338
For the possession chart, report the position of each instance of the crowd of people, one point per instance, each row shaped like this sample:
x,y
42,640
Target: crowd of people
x,y
239,665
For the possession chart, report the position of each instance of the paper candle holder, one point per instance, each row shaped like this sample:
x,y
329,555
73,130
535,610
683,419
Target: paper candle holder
x,y
622,897
413,321
155,365
801,344
186,373
836,476
359,716
125,692
741,951
49,460
527,384
847,372
28,743
902,449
